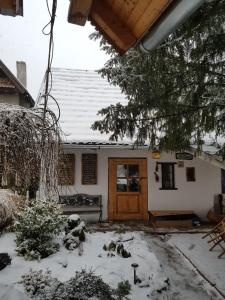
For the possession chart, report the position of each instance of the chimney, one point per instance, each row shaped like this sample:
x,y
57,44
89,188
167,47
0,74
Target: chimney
x,y
21,72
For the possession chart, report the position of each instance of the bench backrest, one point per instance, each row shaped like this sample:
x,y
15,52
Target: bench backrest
x,y
80,200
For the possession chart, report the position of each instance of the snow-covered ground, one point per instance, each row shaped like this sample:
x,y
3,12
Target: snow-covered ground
x,y
197,249
157,259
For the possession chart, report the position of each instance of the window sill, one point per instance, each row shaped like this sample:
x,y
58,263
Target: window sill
x,y
168,189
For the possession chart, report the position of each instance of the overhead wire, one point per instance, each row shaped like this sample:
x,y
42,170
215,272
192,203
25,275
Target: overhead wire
x,y
48,74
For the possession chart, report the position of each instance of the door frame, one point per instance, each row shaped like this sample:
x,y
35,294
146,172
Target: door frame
x,y
145,202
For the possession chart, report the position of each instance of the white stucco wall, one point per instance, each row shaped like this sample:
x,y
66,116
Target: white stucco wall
x,y
197,196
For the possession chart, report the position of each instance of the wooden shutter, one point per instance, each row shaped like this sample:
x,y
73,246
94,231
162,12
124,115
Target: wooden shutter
x,y
89,168
66,170
1,162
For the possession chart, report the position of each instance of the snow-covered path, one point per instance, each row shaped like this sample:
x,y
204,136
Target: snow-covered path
x,y
197,249
186,283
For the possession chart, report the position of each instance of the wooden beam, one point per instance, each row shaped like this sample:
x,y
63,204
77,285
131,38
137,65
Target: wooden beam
x,y
79,11
112,27
11,7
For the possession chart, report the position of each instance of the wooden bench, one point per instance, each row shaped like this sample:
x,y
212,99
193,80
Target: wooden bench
x,y
82,204
170,218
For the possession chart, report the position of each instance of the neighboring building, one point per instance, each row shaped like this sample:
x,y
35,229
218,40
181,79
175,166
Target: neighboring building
x,y
130,180
13,90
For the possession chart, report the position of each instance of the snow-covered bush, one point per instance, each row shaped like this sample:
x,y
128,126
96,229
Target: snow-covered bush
x,y
36,227
39,284
83,286
74,231
9,206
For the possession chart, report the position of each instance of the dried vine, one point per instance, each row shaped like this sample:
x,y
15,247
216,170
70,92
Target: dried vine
x,y
29,148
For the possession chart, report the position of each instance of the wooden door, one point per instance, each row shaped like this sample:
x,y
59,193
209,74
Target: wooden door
x,y
128,199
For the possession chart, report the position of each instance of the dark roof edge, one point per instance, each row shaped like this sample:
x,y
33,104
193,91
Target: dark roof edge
x,y
17,83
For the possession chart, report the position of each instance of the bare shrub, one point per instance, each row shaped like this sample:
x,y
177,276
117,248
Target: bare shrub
x,y
10,204
30,147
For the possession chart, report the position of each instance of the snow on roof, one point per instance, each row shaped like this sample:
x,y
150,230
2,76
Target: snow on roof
x,y
80,95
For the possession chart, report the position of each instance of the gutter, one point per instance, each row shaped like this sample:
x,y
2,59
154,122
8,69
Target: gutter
x,y
169,21
98,146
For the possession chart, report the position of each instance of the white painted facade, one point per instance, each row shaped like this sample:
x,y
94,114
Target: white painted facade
x,y
80,95
197,196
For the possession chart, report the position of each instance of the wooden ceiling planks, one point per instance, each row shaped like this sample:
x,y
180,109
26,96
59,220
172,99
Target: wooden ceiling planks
x,y
138,12
124,8
122,22
112,26
152,12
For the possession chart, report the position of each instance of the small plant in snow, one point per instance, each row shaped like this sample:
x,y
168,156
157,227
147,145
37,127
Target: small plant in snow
x,y
119,248
36,227
83,286
123,289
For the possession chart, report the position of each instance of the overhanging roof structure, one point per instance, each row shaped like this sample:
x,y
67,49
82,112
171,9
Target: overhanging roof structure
x,y
124,23
11,7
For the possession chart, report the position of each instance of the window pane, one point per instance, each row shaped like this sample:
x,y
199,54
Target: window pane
x,y
133,185
121,170
190,174
121,185
167,176
133,171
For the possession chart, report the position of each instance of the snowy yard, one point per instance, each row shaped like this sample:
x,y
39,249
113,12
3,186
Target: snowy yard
x,y
158,261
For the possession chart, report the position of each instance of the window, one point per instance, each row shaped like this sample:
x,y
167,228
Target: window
x,y
190,174
128,178
168,180
223,181
66,169
89,168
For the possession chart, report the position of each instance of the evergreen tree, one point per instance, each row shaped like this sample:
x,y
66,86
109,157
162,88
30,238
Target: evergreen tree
x,y
176,93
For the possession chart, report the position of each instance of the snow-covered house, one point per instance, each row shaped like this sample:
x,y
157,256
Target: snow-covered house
x,y
131,180
13,90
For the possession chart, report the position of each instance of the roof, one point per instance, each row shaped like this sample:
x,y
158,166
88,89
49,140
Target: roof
x,y
80,95
125,22
12,82
11,7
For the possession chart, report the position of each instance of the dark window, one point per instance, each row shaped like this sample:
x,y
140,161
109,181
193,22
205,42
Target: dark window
x,y
89,168
223,181
168,180
190,174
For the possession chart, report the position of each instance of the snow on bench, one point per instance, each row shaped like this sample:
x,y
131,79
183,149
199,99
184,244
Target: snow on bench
x,y
82,204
